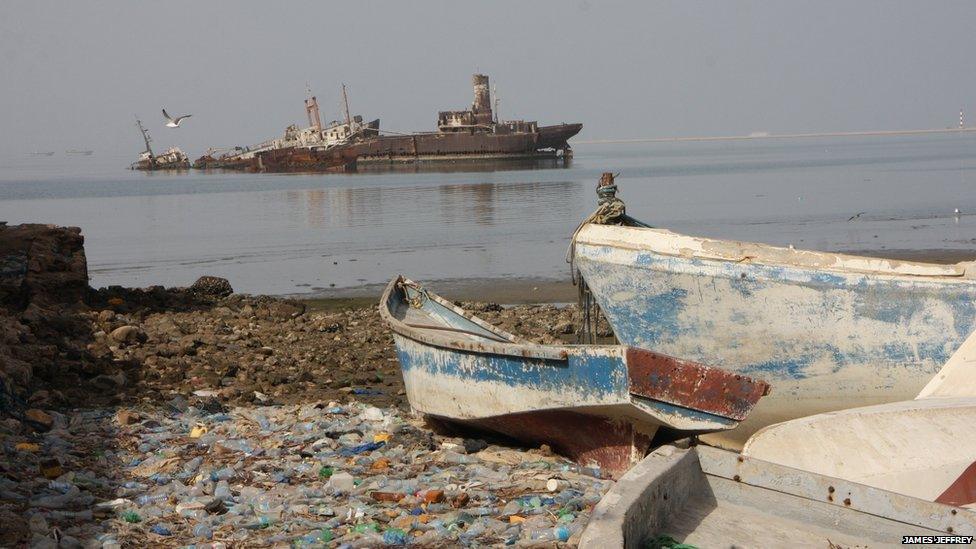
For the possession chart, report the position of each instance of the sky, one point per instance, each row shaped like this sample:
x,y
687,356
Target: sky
x,y
75,74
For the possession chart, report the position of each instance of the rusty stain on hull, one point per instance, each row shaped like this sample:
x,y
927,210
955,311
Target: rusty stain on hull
x,y
685,383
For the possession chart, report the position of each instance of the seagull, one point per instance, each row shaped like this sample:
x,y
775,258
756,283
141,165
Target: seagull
x,y
174,122
855,216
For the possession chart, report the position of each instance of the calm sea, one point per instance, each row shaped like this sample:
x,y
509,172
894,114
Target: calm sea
x,y
330,234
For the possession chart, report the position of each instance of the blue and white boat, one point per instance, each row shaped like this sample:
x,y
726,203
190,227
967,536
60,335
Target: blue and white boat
x,y
595,404
828,331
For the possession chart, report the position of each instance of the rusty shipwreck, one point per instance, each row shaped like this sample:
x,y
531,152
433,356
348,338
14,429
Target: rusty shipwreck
x,y
476,134
314,148
172,159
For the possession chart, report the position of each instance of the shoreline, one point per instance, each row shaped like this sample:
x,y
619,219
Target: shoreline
x,y
525,291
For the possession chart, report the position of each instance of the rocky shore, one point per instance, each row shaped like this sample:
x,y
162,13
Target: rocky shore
x,y
194,416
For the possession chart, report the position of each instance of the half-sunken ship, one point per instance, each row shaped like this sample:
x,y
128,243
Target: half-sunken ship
x,y
315,148
475,134
172,159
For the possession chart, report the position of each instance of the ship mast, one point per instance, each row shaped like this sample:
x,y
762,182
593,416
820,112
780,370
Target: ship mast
x,y
145,137
494,93
345,103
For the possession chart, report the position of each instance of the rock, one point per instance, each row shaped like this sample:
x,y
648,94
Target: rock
x,y
107,315
125,334
109,382
126,417
39,419
42,264
212,286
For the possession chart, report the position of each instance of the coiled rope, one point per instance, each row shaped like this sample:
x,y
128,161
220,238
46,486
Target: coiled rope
x,y
610,211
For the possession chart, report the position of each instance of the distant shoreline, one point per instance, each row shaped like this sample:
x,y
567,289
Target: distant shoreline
x,y
772,136
520,291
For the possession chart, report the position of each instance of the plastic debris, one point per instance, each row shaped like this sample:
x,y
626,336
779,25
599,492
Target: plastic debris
x,y
341,475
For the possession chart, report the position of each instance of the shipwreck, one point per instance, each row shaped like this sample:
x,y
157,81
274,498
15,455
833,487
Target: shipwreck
x,y
474,134
172,159
316,147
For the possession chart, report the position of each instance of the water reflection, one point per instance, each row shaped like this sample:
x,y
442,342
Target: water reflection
x,y
276,234
430,206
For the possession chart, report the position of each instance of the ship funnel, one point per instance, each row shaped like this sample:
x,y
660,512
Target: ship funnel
x,y
482,98
312,110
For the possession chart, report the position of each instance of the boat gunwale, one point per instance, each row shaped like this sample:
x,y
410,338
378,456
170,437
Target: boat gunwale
x,y
516,346
735,251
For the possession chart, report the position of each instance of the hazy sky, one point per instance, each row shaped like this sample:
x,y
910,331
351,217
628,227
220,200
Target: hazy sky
x,y
73,74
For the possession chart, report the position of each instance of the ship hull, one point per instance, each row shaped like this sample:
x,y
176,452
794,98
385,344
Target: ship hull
x,y
146,166
292,159
453,146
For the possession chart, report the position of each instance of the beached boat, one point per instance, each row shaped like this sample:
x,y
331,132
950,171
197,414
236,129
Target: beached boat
x,y
707,497
923,447
595,404
828,331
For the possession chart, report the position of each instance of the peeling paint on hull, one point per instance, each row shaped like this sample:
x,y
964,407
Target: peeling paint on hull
x,y
827,331
593,403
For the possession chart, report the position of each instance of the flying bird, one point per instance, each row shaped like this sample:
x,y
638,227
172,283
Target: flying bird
x,y
174,122
855,216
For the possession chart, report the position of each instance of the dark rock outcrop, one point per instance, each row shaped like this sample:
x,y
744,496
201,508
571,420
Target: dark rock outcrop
x,y
43,265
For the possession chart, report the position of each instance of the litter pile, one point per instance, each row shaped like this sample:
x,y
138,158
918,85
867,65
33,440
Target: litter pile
x,y
348,475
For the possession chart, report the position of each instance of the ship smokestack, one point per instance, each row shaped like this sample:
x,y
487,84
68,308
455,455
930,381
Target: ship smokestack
x,y
482,98
312,110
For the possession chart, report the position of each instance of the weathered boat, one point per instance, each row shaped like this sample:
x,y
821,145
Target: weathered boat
x,y
828,331
594,404
708,497
922,448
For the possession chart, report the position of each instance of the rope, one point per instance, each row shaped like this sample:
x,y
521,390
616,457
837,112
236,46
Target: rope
x,y
610,211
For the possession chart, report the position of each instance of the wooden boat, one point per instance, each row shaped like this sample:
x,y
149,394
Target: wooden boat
x,y
708,497
923,447
828,331
594,404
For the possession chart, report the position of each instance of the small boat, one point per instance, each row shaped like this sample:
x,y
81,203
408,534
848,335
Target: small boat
x,y
595,404
922,448
709,497
41,153
828,331
79,152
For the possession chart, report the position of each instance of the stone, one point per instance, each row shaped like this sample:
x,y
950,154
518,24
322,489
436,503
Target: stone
x,y
125,334
39,418
107,315
127,417
212,286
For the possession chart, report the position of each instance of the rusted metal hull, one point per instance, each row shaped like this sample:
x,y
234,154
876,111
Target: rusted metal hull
x,y
292,159
592,403
828,331
335,159
147,166
448,146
